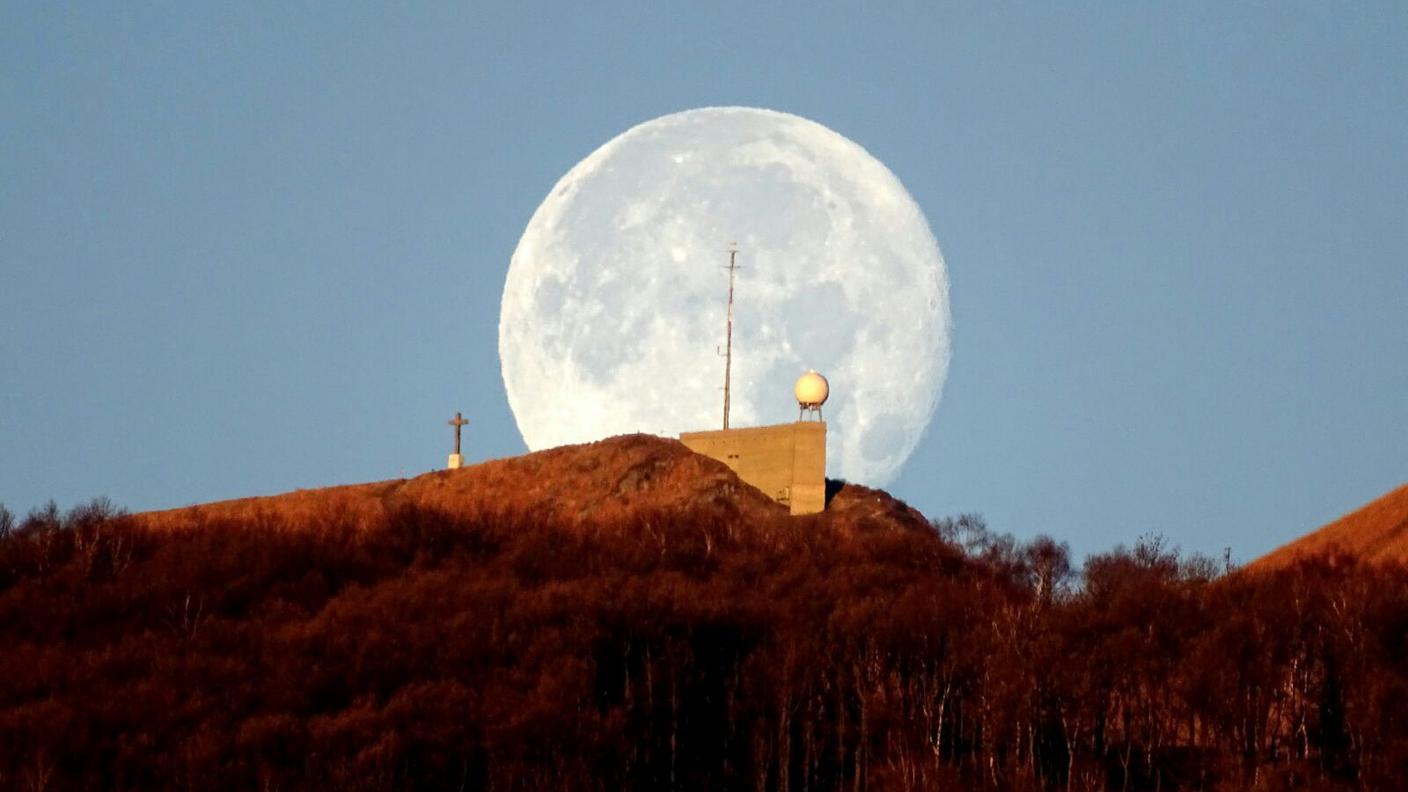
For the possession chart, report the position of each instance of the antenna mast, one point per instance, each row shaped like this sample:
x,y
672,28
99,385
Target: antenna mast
x,y
728,348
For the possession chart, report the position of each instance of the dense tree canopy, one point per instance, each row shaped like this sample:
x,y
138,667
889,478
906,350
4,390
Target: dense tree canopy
x,y
679,650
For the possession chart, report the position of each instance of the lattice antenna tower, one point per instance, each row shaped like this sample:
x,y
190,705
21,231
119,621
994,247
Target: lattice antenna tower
x,y
728,338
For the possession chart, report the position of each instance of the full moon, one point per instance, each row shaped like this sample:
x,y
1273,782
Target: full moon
x,y
614,309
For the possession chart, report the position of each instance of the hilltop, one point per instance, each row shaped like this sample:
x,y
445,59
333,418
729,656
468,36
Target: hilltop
x,y
1376,532
602,482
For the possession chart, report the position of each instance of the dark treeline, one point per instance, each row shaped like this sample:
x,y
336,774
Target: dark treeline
x,y
679,652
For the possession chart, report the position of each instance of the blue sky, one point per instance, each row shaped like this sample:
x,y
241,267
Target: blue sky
x,y
250,249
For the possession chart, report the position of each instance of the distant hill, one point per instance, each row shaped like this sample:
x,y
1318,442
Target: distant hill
x,y
1375,532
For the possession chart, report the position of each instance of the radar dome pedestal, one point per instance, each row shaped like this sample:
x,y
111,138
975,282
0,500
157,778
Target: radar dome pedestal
x,y
811,391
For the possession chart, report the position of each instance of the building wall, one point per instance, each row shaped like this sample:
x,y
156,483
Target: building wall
x,y
787,461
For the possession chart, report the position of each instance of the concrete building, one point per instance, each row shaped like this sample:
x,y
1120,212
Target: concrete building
x,y
786,461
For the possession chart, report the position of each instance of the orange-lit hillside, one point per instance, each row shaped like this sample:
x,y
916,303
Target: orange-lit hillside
x,y
1375,532
629,615
601,482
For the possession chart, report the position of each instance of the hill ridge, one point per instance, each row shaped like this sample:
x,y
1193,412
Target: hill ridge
x,y
602,480
1375,532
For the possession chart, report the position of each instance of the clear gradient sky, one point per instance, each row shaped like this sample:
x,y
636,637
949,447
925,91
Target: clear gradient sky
x,y
258,248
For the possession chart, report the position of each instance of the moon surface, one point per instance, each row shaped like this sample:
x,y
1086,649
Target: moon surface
x,y
613,316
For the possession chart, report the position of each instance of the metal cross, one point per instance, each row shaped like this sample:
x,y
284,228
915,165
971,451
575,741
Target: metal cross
x,y
457,422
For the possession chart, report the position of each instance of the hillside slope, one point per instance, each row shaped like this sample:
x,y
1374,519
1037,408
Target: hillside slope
x,y
604,481
627,615
1376,532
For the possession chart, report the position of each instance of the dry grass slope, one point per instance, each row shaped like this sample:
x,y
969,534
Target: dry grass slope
x,y
599,482
1376,532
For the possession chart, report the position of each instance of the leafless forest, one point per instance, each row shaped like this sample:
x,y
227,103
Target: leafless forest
x,y
680,650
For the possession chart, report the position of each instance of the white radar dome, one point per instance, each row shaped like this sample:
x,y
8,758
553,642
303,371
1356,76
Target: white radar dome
x,y
811,389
